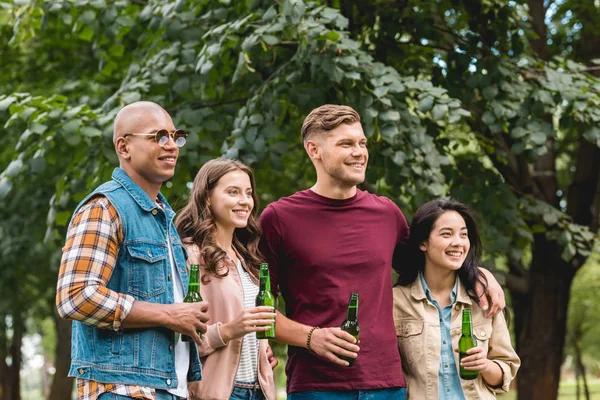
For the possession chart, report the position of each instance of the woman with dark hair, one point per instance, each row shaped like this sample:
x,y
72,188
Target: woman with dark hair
x,y
437,281
219,229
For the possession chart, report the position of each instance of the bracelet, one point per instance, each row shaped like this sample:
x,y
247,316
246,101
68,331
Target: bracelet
x,y
310,336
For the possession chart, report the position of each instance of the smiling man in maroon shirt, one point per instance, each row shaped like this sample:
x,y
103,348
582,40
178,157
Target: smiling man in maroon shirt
x,y
324,243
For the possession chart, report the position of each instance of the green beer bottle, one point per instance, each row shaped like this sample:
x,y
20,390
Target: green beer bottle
x,y
467,341
265,298
193,294
350,325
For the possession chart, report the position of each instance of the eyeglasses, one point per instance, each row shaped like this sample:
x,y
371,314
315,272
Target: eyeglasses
x,y
162,136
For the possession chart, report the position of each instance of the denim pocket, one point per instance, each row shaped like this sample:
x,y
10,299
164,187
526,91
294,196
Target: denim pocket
x,y
146,270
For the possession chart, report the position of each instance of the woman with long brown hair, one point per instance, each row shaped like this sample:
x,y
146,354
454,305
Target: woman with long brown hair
x,y
219,229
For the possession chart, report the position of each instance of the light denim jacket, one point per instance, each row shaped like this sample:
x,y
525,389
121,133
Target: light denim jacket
x,y
142,356
417,324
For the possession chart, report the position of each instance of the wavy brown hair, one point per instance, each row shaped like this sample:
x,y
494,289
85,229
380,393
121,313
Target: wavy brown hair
x,y
196,222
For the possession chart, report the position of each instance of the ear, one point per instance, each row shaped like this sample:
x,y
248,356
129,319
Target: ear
x,y
122,148
313,149
423,246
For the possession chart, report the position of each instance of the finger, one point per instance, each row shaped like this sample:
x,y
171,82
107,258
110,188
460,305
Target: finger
x,y
344,344
483,302
196,338
203,305
475,350
345,336
335,359
202,327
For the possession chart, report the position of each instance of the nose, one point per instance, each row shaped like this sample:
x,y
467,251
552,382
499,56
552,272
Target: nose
x,y
245,198
358,150
171,143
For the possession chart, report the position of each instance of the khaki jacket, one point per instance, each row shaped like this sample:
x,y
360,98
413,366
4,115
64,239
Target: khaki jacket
x,y
219,359
419,341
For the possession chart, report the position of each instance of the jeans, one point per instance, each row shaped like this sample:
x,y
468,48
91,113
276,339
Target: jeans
x,y
375,394
246,394
160,395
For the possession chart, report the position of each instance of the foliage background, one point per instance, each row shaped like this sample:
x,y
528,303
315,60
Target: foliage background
x,y
491,102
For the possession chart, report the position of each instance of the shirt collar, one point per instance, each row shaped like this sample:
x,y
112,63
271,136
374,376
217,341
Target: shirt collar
x,y
427,292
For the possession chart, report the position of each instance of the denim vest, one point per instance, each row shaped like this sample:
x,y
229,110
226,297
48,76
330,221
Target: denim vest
x,y
140,356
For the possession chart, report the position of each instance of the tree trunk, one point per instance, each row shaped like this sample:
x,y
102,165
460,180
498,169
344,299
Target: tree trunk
x,y
13,389
4,374
62,385
580,368
540,322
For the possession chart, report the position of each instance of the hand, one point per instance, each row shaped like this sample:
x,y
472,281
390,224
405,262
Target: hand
x,y
255,319
189,319
272,360
494,292
332,343
476,360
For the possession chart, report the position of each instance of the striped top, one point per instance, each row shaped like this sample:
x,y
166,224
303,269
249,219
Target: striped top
x,y
248,367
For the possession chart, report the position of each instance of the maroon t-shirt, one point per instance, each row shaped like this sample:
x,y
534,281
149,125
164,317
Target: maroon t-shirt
x,y
319,251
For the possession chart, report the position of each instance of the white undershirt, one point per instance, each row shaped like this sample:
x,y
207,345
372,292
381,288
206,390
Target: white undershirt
x,y
248,366
182,349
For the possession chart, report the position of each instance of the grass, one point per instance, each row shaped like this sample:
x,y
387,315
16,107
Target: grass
x,y
567,390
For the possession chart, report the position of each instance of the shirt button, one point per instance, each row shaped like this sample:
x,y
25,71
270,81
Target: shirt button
x,y
447,390
446,366
171,347
444,342
483,333
154,212
457,307
168,382
81,371
169,277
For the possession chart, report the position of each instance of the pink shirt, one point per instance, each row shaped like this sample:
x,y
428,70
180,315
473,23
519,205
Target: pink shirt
x,y
319,251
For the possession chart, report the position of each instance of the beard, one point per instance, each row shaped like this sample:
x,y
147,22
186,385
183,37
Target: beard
x,y
342,177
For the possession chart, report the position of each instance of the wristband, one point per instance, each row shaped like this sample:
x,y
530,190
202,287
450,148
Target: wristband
x,y
310,336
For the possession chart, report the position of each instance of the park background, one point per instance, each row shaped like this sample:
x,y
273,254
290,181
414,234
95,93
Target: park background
x,y
495,103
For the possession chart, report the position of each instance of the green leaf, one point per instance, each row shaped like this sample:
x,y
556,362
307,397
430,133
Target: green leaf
x,y
332,36
256,119
72,126
490,92
14,168
389,131
270,39
5,187
390,116
5,103
539,138
91,131
439,112
399,158
550,218
182,86
568,252
426,104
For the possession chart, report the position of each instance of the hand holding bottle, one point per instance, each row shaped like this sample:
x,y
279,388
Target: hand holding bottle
x,y
255,319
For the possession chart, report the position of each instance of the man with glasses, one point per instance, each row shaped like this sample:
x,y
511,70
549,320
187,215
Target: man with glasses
x,y
123,273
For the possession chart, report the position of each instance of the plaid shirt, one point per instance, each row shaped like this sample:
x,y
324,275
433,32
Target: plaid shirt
x,y
87,264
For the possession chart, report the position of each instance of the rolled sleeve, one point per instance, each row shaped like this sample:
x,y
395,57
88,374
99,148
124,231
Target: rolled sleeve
x,y
87,264
502,353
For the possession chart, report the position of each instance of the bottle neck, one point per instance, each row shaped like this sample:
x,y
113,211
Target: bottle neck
x,y
194,283
352,313
265,283
466,324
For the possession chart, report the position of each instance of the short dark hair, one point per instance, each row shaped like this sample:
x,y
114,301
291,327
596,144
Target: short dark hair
x,y
326,118
412,259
